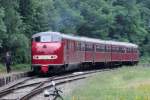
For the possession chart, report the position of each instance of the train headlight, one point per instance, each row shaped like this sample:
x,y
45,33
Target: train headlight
x,y
53,57
45,57
35,57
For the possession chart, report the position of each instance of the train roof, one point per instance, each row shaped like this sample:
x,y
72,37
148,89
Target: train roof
x,y
44,33
86,39
122,44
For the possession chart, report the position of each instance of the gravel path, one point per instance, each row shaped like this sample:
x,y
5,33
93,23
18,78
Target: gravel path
x,y
66,88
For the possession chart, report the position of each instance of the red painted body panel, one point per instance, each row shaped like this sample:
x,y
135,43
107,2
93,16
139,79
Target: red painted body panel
x,y
71,54
89,56
99,57
51,48
108,57
124,55
115,55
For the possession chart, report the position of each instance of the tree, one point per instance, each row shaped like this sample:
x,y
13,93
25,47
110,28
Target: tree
x,y
98,18
2,28
12,18
13,27
26,10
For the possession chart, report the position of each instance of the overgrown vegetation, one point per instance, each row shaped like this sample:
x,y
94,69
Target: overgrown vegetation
x,y
128,83
17,67
123,20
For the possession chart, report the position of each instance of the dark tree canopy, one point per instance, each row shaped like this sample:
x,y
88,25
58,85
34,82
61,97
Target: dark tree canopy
x,y
121,20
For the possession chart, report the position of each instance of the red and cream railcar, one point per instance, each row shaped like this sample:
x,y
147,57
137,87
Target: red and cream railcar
x,y
130,53
54,52
100,54
47,51
74,52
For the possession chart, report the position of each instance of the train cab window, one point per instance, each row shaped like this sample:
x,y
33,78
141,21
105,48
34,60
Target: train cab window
x,y
37,39
56,38
46,38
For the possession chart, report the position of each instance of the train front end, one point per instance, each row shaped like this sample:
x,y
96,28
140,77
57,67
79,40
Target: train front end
x,y
47,52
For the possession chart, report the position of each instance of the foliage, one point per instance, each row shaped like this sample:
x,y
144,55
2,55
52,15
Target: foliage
x,y
121,20
16,67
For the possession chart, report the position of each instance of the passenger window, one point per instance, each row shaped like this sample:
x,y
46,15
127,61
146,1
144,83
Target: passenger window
x,y
82,46
107,49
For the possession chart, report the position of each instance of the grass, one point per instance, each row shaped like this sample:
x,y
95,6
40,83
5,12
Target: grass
x,y
126,83
2,68
21,67
17,67
145,60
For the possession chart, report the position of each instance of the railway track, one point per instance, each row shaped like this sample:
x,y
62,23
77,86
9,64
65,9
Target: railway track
x,y
33,86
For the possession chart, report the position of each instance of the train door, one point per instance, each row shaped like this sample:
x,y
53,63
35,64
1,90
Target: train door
x,y
107,53
82,52
94,53
132,54
67,52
